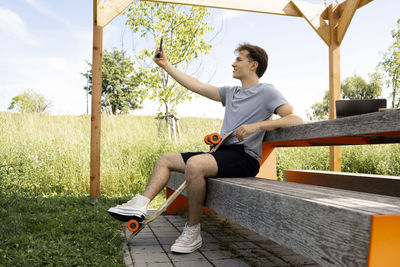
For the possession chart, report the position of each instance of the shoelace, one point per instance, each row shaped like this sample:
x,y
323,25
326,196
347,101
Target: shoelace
x,y
187,234
129,203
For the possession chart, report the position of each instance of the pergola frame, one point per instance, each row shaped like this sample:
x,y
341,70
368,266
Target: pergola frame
x,y
330,23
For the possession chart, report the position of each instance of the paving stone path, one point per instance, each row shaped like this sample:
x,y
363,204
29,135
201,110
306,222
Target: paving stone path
x,y
224,244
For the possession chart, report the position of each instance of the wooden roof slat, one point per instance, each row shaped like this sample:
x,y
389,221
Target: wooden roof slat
x,y
277,7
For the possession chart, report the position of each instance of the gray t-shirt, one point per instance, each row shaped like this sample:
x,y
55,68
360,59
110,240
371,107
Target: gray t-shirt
x,y
245,106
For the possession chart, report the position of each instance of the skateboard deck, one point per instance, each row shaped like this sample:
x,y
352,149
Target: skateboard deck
x,y
136,226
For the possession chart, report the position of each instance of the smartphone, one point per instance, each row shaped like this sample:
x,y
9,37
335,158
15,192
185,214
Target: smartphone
x,y
159,54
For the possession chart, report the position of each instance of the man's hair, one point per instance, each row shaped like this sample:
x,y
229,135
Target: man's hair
x,y
256,53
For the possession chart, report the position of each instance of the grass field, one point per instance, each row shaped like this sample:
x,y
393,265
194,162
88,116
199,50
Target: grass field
x,y
46,215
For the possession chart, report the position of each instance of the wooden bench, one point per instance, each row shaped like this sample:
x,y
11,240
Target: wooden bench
x,y
333,226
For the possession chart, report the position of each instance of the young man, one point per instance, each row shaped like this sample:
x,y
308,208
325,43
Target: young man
x,y
248,113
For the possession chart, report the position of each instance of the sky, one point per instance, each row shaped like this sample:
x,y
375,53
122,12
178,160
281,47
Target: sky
x,y
44,45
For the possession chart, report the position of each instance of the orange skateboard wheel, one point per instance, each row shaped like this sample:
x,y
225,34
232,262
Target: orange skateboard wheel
x,y
207,139
133,225
215,138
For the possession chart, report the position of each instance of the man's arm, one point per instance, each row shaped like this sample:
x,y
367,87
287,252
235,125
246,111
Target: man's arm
x,y
187,81
287,119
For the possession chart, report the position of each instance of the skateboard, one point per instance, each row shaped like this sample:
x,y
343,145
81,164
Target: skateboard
x,y
137,225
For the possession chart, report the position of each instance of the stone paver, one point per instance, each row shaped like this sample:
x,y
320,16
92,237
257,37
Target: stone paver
x,y
224,244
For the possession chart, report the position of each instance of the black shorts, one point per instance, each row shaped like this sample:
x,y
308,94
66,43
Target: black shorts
x,y
232,161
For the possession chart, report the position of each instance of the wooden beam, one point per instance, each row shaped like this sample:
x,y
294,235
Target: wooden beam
x,y
343,5
277,7
112,8
312,13
335,157
96,100
345,18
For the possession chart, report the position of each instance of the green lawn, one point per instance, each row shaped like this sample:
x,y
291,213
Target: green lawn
x,y
58,231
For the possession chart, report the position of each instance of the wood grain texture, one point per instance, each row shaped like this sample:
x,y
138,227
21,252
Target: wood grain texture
x,y
380,127
331,226
369,183
95,128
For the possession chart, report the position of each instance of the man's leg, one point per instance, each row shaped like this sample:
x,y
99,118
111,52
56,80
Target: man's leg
x,y
198,168
161,173
137,206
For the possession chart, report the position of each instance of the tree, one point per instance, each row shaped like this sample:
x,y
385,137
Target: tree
x,y
30,102
354,87
357,88
120,87
183,30
391,66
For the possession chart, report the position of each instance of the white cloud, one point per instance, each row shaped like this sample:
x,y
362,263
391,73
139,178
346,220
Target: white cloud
x,y
39,6
11,24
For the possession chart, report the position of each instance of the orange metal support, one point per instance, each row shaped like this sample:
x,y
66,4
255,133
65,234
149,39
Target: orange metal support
x,y
180,205
268,162
384,245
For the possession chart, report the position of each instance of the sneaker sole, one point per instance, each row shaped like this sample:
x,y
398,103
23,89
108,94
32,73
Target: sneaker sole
x,y
125,217
185,250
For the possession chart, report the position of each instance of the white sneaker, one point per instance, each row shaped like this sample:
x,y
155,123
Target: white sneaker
x,y
189,240
134,208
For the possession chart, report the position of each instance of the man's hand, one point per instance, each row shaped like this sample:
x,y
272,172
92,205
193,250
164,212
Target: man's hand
x,y
162,60
185,80
245,130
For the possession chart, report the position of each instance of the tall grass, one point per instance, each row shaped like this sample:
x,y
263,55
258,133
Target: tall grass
x,y
49,155
371,159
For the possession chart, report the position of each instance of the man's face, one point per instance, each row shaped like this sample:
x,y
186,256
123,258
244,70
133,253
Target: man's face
x,y
242,66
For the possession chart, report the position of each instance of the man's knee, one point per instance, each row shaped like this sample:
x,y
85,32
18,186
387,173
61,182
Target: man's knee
x,y
172,161
203,165
192,167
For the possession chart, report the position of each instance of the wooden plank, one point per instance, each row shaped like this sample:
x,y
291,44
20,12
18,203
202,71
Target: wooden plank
x,y
306,227
369,183
346,17
329,225
312,13
371,124
95,130
277,7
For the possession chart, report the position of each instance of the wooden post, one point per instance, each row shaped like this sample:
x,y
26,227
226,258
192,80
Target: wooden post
x,y
335,155
95,131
